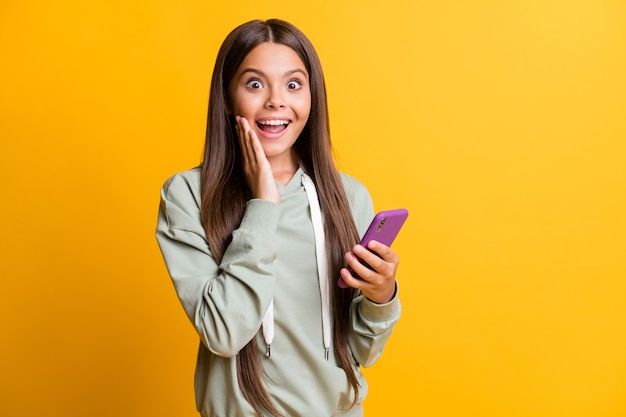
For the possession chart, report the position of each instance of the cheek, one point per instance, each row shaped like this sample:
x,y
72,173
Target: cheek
x,y
304,108
237,101
244,106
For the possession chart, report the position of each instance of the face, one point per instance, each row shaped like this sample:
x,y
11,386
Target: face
x,y
271,90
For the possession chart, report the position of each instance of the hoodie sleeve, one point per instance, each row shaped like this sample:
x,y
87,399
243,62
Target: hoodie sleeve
x,y
225,302
371,324
371,327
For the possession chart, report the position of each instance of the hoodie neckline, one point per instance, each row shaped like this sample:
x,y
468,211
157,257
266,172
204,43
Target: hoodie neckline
x,y
293,184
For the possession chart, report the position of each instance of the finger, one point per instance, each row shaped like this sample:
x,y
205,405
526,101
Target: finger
x,y
350,280
243,131
361,271
374,261
380,251
253,144
255,148
240,135
377,269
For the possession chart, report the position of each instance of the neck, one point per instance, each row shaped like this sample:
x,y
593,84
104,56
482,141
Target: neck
x,y
283,176
284,170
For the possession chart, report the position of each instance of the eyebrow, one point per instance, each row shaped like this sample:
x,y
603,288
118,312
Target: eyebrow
x,y
262,74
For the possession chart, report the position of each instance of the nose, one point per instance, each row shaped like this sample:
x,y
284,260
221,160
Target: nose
x,y
275,99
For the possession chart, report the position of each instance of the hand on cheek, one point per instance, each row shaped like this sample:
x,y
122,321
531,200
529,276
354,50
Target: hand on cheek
x,y
256,166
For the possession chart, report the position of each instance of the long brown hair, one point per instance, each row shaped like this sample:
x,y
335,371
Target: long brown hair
x,y
224,190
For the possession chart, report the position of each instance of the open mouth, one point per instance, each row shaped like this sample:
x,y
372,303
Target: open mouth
x,y
273,126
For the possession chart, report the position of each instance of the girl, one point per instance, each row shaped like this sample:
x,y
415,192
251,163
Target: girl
x,y
256,237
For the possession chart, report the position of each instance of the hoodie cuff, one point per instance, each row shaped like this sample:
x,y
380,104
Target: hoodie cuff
x,y
381,312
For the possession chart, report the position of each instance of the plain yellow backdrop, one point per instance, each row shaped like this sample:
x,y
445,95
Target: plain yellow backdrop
x,y
500,125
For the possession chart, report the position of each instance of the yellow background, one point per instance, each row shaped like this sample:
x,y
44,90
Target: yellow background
x,y
500,125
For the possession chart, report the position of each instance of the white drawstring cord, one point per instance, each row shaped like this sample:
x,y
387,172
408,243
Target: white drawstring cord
x,y
320,252
268,328
322,272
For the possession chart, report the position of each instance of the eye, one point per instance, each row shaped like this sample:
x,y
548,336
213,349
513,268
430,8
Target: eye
x,y
254,84
294,85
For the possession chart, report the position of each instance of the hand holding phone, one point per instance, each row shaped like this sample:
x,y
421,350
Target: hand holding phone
x,y
384,228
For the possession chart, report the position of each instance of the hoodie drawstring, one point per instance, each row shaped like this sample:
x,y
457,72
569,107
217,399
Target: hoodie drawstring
x,y
268,327
322,271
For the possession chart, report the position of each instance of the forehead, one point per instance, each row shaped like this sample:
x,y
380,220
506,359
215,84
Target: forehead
x,y
275,56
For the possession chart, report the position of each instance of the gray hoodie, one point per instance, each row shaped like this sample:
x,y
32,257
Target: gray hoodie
x,y
271,259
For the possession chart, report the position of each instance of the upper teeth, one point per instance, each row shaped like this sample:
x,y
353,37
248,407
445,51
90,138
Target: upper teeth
x,y
274,122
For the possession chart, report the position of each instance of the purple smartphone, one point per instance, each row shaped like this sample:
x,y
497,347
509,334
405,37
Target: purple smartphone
x,y
384,229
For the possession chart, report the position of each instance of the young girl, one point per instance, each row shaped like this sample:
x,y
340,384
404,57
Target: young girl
x,y
256,238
